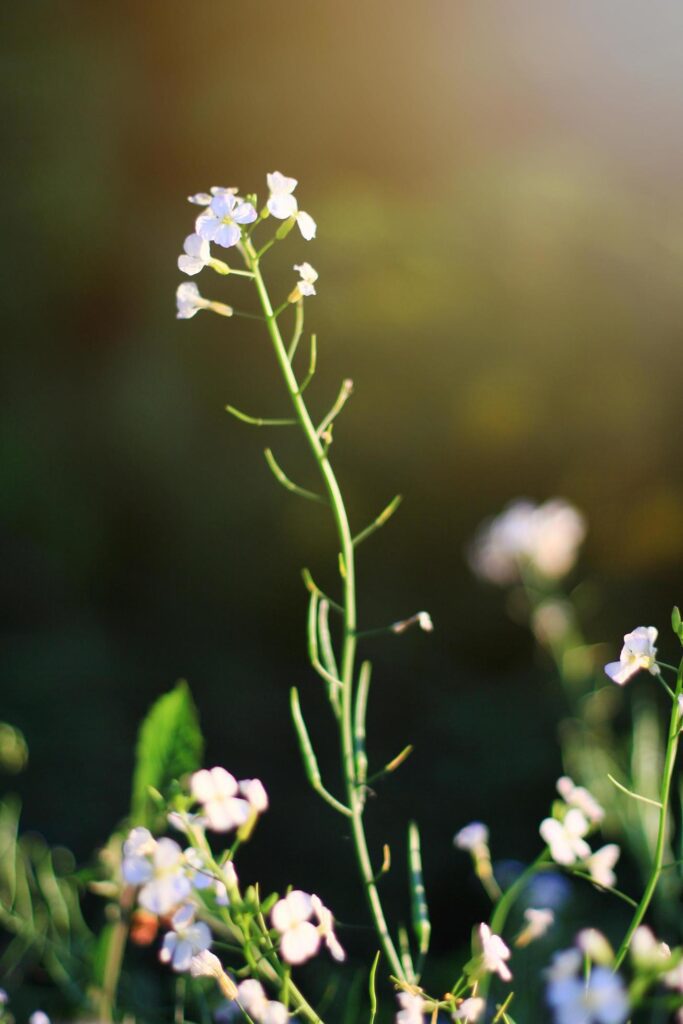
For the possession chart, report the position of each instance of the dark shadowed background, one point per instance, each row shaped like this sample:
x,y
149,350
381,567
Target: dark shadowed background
x,y
498,194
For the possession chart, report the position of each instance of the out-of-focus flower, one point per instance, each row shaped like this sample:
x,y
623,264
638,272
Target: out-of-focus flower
x,y
595,946
646,951
251,996
413,1008
254,792
275,1013
188,938
564,965
38,1017
159,867
189,301
551,620
600,865
538,923
299,938
601,999
421,619
204,198
326,928
565,838
577,796
546,537
549,889
216,790
470,1010
183,821
4,998
207,965
639,652
472,836
222,221
494,953
197,869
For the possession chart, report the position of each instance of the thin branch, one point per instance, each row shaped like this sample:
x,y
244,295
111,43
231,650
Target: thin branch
x,y
257,421
345,393
298,330
334,685
381,519
312,362
635,796
287,483
309,758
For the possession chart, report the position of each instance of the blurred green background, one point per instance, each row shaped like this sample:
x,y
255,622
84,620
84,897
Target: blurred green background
x,y
498,193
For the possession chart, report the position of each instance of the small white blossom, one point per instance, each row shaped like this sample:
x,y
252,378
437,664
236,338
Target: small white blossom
x,y
38,1017
216,790
252,997
206,965
494,953
565,838
183,821
639,652
197,255
189,301
595,946
197,869
421,619
546,537
307,278
254,792
222,221
413,1008
138,847
159,867
470,1010
472,836
577,796
601,999
538,923
275,1013
307,226
646,951
188,938
4,998
282,204
326,928
600,865
299,938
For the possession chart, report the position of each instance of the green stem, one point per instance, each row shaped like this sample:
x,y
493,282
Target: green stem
x,y
669,762
354,797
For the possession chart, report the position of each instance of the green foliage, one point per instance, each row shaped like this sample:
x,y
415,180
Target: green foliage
x,y
170,744
676,623
39,908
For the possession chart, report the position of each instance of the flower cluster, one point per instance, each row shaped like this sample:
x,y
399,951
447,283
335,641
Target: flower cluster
x,y
574,999
543,538
227,220
565,833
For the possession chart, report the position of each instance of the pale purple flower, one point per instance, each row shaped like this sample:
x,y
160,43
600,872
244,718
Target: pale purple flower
x,y
168,884
188,939
197,255
222,221
472,836
639,652
601,999
494,953
189,301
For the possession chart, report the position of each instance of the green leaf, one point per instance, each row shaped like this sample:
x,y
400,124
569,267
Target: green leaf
x,y
676,623
170,744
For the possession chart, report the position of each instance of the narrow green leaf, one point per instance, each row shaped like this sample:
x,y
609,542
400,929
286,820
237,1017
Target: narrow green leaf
x,y
170,744
420,912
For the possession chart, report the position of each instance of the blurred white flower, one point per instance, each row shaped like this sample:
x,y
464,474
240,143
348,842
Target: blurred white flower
x,y
4,998
600,865
275,1013
413,1008
183,821
538,923
189,301
565,838
216,790
600,999
188,938
494,953
222,221
470,1010
197,870
639,652
38,1017
204,198
564,965
307,278
594,945
299,938
546,537
421,619
577,796
472,836
252,997
159,867
205,965
254,792
646,951
326,928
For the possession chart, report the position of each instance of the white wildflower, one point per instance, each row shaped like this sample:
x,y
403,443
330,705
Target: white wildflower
x,y
577,796
282,204
299,938
275,1013
565,838
646,951
600,865
494,953
307,226
546,537
307,278
472,836
470,1010
189,301
254,792
413,1008
188,938
38,1017
594,945
326,928
537,924
216,790
197,255
222,221
159,867
197,869
421,619
251,996
639,652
